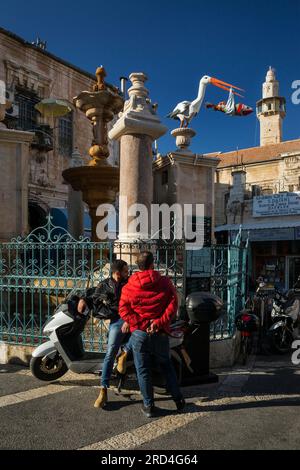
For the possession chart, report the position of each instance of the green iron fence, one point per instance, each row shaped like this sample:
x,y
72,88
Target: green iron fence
x,y
222,270
37,272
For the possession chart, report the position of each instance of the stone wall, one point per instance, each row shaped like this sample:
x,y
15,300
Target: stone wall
x,y
31,68
280,174
190,181
14,157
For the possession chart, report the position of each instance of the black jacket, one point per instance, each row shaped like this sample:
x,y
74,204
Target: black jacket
x,y
104,299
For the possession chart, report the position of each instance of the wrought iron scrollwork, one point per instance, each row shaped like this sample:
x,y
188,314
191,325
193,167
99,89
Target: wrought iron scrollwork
x,y
38,271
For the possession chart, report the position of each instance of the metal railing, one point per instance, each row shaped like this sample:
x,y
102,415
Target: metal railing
x,y
222,270
39,271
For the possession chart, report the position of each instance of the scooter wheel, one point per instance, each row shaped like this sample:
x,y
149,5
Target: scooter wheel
x,y
281,340
47,369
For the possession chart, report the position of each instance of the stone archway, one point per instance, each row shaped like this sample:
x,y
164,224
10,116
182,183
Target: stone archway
x,y
37,215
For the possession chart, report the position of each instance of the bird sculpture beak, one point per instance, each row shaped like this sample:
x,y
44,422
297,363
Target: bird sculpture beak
x,y
225,86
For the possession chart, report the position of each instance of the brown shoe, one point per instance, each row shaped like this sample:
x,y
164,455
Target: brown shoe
x,y
102,398
121,363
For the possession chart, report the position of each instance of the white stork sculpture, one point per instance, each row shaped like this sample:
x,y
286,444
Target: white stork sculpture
x,y
186,110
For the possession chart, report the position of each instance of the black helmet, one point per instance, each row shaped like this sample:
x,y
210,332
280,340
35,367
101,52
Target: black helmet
x,y
203,307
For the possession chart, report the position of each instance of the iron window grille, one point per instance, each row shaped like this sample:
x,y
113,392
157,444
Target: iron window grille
x,y
28,115
65,135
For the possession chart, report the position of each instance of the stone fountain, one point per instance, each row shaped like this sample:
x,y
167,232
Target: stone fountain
x,y
98,180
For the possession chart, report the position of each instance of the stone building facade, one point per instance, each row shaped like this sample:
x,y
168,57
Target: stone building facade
x,y
183,177
187,178
259,189
31,74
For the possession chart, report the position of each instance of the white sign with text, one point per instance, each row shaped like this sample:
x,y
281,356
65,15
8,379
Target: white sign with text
x,y
276,204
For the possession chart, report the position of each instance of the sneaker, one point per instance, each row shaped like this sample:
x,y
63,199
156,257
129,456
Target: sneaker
x,y
121,363
149,411
180,404
102,398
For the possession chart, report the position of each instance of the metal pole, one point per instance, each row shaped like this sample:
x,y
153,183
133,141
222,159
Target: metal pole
x,y
123,81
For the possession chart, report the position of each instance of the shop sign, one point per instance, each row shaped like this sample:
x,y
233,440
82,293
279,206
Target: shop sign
x,y
267,234
276,204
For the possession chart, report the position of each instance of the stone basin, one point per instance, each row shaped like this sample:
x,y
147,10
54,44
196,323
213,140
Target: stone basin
x,y
96,103
98,184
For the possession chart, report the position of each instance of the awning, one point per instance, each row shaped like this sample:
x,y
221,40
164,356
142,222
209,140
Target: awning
x,y
87,224
256,225
60,219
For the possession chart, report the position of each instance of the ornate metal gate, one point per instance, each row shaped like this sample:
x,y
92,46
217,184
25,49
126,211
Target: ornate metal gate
x,y
221,269
39,271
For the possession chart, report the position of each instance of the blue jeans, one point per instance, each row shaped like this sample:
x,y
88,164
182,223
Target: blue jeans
x,y
144,346
115,339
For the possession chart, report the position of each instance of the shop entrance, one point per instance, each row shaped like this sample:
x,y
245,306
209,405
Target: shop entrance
x,y
293,270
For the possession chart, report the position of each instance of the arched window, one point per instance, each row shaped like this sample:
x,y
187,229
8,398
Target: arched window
x,y
36,216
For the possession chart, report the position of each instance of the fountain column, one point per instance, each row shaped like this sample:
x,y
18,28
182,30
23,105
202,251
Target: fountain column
x,y
75,203
98,181
137,127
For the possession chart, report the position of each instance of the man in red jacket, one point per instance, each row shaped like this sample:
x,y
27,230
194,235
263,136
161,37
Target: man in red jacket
x,y
148,303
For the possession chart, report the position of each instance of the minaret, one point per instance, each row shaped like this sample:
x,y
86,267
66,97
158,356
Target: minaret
x,y
270,111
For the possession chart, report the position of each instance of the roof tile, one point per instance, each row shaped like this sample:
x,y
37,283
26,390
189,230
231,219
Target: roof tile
x,y
256,154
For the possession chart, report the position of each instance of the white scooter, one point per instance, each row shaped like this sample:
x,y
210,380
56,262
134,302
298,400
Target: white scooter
x,y
64,350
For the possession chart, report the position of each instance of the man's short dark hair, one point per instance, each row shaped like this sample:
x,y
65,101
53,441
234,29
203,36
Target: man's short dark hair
x,y
145,260
117,265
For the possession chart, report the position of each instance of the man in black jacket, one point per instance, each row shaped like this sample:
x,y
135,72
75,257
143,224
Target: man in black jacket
x,y
105,302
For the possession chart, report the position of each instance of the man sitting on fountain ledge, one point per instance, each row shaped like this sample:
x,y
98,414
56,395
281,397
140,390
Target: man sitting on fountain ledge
x,y
148,303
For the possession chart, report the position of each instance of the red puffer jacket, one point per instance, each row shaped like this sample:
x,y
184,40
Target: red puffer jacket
x,y
148,296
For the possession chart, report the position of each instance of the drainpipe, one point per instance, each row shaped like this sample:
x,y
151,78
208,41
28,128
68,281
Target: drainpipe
x,y
123,81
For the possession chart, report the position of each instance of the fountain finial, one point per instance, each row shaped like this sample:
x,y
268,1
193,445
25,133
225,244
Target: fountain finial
x,y
100,74
100,106
98,180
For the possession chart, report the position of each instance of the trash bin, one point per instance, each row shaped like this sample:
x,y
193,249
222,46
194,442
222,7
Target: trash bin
x,y
202,308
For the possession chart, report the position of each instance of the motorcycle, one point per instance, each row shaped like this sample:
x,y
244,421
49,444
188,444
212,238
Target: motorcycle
x,y
262,301
247,323
285,315
65,351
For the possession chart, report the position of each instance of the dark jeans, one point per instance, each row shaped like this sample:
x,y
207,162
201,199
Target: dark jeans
x,y
115,339
143,346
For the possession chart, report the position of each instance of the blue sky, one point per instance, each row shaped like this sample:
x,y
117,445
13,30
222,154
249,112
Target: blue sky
x,y
175,43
